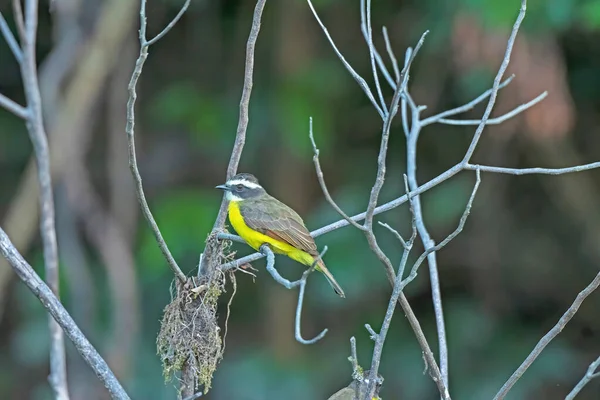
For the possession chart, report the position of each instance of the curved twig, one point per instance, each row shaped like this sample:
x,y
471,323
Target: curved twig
x,y
129,129
266,250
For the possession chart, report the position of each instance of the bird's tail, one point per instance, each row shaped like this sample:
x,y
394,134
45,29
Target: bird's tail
x,y
323,269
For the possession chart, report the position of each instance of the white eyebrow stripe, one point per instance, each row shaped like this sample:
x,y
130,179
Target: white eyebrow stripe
x,y
248,184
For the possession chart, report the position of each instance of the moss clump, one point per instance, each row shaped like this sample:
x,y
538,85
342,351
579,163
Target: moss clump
x,y
189,332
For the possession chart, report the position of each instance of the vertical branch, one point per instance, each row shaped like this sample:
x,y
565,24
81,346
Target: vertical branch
x,y
428,243
240,135
37,134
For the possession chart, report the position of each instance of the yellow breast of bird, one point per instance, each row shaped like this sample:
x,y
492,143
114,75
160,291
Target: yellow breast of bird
x,y
256,239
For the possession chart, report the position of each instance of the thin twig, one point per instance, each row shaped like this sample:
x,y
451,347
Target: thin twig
x,y
381,160
357,374
541,345
39,139
395,232
448,239
13,107
466,107
497,80
171,24
19,20
290,285
365,18
321,179
10,39
129,130
359,79
497,120
589,375
529,171
380,337
62,317
391,55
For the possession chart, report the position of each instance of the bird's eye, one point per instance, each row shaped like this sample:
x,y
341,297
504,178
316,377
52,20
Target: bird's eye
x,y
239,188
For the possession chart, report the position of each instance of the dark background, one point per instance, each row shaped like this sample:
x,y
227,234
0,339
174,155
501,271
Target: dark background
x,y
530,245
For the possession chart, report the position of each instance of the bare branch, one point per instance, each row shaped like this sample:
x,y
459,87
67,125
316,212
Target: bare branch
x,y
497,120
529,171
395,232
266,250
405,244
589,375
19,20
379,338
39,140
464,108
129,130
13,107
321,179
391,55
496,85
448,239
10,39
297,331
365,17
62,317
381,160
359,79
541,345
240,136
171,24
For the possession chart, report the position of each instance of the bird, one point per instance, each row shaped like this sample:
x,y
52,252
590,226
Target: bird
x,y
260,219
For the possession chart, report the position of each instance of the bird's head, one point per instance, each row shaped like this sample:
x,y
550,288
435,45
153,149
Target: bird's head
x,y
242,187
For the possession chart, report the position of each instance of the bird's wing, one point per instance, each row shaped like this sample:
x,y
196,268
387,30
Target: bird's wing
x,y
274,219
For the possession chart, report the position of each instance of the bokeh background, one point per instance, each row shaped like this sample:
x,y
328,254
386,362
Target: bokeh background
x,y
530,245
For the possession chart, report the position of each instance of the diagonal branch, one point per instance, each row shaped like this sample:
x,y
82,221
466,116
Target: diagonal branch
x,y
497,80
13,107
62,317
497,120
324,188
589,375
541,345
359,79
448,239
10,39
466,107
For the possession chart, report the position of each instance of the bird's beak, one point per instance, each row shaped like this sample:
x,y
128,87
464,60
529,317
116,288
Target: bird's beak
x,y
222,187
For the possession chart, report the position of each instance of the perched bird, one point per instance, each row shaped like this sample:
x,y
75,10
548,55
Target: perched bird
x,y
260,218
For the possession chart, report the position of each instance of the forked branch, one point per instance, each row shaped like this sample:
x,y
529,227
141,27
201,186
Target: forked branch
x,y
592,372
129,130
32,114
